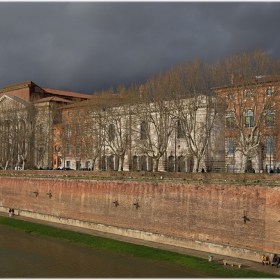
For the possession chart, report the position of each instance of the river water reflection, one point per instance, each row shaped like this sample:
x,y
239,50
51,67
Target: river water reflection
x,y
24,255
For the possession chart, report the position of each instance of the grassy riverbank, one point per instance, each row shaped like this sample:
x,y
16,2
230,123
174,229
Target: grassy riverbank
x,y
217,270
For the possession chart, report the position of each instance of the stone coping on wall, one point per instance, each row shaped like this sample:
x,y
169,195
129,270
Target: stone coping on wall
x,y
182,177
213,248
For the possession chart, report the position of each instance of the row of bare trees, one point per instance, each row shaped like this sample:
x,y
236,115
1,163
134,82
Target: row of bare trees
x,y
189,101
144,120
25,132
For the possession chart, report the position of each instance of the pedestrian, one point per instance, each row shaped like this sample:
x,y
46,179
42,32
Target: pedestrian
x,y
10,212
202,170
277,262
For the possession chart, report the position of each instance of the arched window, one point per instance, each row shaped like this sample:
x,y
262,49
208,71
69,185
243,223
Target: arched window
x,y
112,132
269,145
181,129
41,128
249,119
134,163
269,119
171,164
78,149
230,146
248,93
144,131
181,164
78,129
269,91
143,163
111,162
230,121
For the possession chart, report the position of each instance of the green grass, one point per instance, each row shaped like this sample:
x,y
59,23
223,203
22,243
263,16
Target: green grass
x,y
101,243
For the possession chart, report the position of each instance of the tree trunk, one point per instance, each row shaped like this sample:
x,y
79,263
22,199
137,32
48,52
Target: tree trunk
x,y
121,163
244,163
196,164
155,166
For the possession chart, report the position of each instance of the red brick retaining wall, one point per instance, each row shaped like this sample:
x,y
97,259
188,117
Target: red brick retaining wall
x,y
208,214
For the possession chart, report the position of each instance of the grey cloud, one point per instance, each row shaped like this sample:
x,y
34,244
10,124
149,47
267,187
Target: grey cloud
x,y
88,46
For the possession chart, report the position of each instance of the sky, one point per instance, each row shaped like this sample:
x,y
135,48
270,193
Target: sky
x,y
90,46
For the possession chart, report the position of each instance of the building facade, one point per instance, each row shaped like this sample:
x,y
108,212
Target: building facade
x,y
50,128
28,113
252,126
140,136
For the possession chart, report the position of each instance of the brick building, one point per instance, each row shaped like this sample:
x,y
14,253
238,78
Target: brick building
x,y
43,127
252,124
28,113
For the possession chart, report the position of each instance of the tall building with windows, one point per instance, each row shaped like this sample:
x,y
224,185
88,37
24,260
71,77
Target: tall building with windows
x,y
28,113
113,133
251,124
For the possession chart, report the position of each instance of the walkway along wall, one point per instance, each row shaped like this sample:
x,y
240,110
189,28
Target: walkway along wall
x,y
204,217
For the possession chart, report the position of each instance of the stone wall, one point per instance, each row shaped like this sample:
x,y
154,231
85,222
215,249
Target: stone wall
x,y
205,217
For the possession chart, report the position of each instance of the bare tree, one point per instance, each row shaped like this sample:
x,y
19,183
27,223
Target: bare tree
x,y
197,109
251,91
154,115
114,123
17,130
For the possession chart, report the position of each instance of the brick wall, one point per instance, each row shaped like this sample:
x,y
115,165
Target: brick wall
x,y
206,214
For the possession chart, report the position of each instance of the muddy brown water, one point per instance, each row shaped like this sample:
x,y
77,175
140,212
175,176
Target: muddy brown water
x,y
23,255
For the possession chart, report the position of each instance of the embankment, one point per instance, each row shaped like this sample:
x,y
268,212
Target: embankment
x,y
239,220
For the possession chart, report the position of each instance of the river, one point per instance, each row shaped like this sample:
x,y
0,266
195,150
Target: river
x,y
24,255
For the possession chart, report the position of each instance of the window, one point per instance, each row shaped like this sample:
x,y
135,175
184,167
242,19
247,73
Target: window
x,y
144,131
249,119
269,91
41,128
181,129
41,154
269,145
112,133
68,163
230,146
230,168
78,149
88,148
88,129
68,149
230,121
248,93
78,129
68,132
269,119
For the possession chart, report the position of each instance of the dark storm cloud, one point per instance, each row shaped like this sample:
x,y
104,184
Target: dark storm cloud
x,y
90,46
